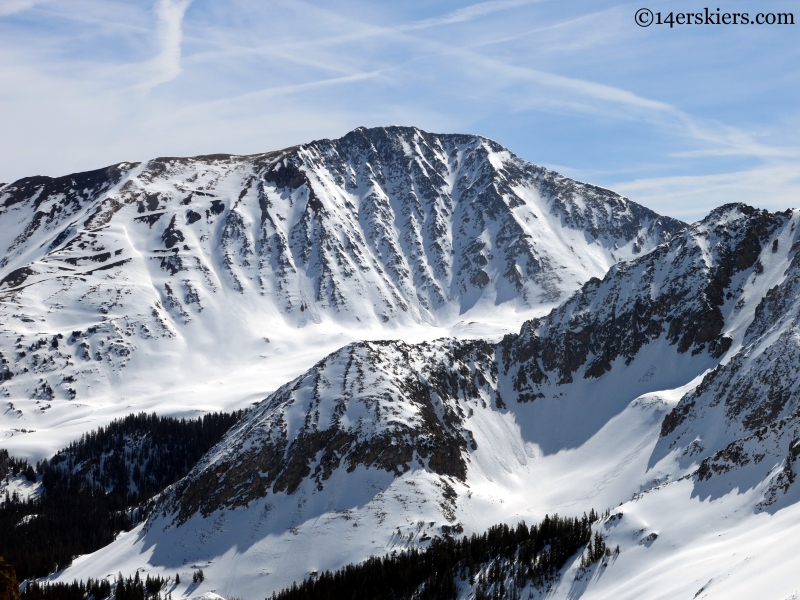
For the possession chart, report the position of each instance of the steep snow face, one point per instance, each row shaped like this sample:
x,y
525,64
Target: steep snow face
x,y
689,293
635,391
742,421
384,405
205,282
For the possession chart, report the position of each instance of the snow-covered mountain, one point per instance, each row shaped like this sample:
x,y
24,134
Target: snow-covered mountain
x,y
665,391
202,283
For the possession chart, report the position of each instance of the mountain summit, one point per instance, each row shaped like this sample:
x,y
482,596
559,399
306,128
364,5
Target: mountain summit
x,y
137,278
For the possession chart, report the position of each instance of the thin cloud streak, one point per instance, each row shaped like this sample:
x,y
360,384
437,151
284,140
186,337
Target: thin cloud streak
x,y
11,7
166,66
459,71
733,141
588,89
287,90
468,13
728,140
691,197
746,149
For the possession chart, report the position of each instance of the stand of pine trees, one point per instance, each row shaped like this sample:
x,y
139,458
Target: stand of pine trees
x,y
15,466
500,562
99,486
595,551
132,588
96,590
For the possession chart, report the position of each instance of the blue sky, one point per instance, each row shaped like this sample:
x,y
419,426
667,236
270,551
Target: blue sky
x,y
681,120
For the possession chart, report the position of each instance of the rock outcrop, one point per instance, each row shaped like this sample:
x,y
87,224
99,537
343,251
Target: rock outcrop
x,y
9,587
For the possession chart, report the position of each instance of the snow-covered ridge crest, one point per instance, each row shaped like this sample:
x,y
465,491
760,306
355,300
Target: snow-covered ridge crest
x,y
385,405
685,291
116,279
436,218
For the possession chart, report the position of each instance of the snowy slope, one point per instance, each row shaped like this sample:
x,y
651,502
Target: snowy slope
x,y
189,284
663,389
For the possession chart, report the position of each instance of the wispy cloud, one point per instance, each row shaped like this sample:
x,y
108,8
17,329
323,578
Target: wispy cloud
x,y
576,84
546,90
587,96
10,7
427,48
691,197
287,90
166,66
468,13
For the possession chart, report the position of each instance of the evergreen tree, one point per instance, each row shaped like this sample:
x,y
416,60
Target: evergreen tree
x,y
498,562
99,486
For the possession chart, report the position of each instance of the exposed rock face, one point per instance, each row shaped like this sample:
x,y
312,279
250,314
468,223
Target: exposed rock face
x,y
382,405
754,393
9,587
382,227
395,407
677,291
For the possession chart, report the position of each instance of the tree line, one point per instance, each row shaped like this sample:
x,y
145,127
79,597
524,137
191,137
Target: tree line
x,y
499,563
132,588
99,486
